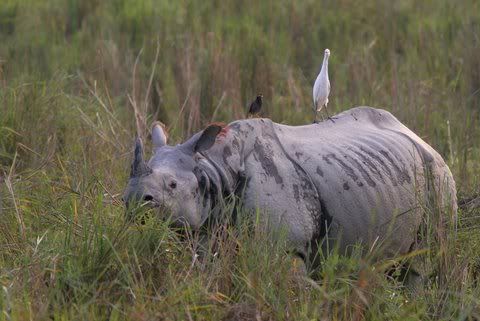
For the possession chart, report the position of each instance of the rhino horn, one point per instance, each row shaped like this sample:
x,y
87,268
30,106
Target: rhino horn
x,y
139,166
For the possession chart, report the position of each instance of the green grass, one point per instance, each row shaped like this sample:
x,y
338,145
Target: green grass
x,y
71,74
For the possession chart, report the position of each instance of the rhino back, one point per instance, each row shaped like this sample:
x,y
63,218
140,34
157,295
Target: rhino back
x,y
368,170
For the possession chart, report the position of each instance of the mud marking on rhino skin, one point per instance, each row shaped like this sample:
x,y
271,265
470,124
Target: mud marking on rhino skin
x,y
267,132
267,162
346,186
325,158
296,193
240,129
368,162
380,161
399,170
236,144
348,170
402,175
227,152
364,173
298,154
307,184
319,171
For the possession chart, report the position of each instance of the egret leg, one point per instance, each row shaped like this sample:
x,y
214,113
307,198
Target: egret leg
x,y
323,118
328,116
315,112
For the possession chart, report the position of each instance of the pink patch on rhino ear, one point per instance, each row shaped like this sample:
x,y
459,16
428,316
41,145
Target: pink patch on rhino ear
x,y
224,131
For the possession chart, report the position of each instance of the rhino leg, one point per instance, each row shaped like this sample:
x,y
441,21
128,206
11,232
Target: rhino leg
x,y
414,281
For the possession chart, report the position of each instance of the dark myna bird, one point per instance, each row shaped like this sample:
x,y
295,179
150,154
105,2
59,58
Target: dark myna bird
x,y
255,106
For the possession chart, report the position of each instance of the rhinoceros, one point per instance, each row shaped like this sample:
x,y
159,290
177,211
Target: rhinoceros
x,y
363,179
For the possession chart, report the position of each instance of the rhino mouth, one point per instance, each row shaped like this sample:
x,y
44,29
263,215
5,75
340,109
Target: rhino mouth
x,y
141,212
152,209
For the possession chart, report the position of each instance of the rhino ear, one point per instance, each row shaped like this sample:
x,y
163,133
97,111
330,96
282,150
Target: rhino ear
x,y
207,139
159,135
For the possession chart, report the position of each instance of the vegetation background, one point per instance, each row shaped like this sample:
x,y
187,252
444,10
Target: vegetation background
x,y
79,78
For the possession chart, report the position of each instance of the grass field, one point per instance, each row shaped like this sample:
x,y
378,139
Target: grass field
x,y
79,78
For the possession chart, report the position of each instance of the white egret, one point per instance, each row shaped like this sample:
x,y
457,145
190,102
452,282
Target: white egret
x,y
321,88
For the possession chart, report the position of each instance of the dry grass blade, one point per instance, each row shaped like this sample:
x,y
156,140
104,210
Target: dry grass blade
x,y
1,198
180,113
218,107
140,117
97,97
150,81
18,213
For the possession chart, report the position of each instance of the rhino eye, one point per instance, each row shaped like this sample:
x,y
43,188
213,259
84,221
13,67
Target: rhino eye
x,y
173,184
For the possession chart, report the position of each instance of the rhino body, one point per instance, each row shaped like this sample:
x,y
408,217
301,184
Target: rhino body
x,y
361,179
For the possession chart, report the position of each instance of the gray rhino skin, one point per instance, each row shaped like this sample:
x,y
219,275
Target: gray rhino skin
x,y
359,180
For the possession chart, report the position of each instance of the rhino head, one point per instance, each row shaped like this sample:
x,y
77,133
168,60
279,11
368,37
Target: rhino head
x,y
177,181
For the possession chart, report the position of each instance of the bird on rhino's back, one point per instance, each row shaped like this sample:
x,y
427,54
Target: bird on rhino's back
x,y
321,87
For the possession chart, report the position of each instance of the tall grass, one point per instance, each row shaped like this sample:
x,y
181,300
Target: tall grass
x,y
78,79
